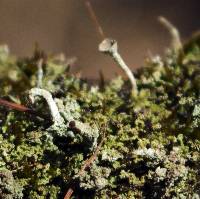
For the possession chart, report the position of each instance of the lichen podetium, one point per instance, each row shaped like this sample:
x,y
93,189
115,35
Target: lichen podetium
x,y
152,140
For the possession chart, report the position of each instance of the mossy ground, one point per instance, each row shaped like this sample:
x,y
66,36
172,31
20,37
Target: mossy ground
x,y
152,140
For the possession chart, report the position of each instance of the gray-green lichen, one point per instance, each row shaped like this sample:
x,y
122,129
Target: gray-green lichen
x,y
152,140
9,187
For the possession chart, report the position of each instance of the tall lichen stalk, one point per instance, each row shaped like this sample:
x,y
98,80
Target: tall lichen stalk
x,y
110,47
151,147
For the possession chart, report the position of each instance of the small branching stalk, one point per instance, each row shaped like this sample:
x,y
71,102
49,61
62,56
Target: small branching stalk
x,y
109,46
176,41
34,92
39,73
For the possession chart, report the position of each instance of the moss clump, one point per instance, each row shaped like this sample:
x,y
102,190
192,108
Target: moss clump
x,y
8,186
152,140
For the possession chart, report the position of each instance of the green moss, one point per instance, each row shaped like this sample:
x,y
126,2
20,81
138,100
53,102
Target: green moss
x,y
151,147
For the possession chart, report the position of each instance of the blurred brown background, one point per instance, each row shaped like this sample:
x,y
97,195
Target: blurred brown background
x,y
64,26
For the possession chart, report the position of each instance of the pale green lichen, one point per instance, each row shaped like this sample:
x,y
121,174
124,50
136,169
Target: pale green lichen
x,y
110,46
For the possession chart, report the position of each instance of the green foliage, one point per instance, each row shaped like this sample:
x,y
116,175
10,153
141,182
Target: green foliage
x,y
151,147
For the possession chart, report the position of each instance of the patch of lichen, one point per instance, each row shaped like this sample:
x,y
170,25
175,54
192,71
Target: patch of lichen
x,y
151,147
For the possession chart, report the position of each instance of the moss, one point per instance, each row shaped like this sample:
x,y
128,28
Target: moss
x,y
151,147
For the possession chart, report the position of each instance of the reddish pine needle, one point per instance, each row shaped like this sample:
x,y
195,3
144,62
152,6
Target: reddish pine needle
x,y
94,19
15,106
86,165
69,193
